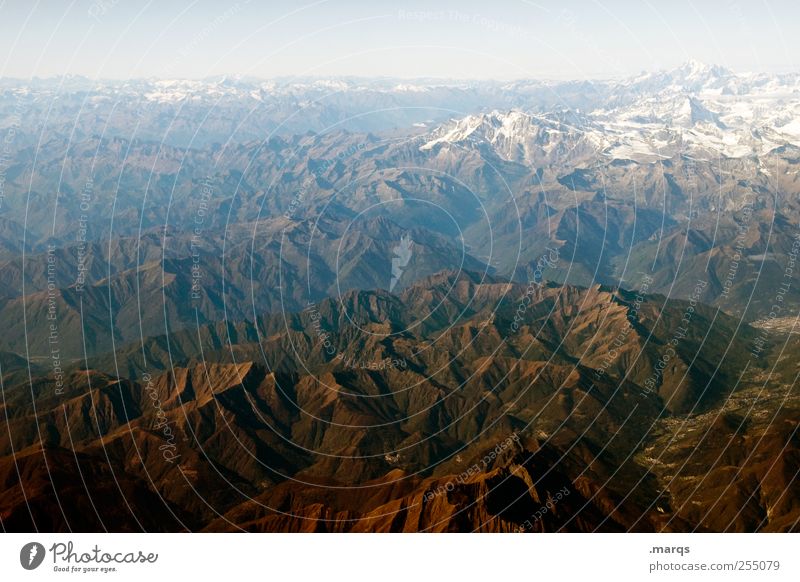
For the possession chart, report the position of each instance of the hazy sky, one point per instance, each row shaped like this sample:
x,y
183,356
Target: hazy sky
x,y
499,39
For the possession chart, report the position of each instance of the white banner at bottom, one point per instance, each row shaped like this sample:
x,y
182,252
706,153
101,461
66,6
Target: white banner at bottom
x,y
389,557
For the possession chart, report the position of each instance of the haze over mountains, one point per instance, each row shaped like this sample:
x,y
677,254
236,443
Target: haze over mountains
x,y
339,295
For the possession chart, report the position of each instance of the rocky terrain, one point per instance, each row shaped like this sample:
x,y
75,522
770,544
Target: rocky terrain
x,y
373,305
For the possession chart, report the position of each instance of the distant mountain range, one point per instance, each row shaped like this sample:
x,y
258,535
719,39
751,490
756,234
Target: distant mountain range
x,y
321,304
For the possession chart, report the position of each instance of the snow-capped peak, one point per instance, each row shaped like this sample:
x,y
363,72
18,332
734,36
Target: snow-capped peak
x,y
693,70
517,136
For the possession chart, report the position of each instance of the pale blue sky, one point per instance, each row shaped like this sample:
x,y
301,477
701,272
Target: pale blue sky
x,y
498,40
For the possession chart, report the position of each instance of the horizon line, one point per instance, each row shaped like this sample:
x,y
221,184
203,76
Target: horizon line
x,y
427,79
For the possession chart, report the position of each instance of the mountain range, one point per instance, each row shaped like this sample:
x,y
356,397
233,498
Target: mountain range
x,y
390,305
